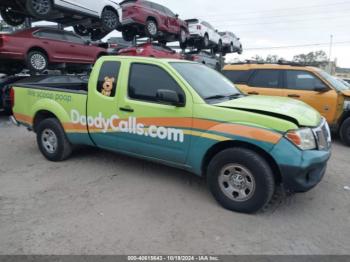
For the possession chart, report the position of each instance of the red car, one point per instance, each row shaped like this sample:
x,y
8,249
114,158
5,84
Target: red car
x,y
145,18
41,48
151,50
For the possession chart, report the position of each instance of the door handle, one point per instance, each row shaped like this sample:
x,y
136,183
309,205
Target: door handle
x,y
45,42
253,93
294,96
126,109
72,45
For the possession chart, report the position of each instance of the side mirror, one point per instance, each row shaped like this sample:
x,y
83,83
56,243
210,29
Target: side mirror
x,y
238,38
321,88
87,42
177,15
169,97
217,31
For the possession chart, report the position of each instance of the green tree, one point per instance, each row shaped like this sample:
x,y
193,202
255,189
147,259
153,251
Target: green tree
x,y
316,58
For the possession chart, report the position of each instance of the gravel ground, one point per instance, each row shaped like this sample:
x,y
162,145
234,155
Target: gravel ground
x,y
103,203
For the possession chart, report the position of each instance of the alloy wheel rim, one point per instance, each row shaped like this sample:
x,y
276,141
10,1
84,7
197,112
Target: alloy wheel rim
x,y
49,141
237,182
38,62
152,28
41,7
111,19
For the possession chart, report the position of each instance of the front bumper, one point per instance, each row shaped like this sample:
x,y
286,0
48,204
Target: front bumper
x,y
300,170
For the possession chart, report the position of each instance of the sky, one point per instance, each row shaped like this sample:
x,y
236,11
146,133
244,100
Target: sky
x,y
285,28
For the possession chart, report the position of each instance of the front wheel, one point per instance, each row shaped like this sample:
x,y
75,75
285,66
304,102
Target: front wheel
x,y
240,180
12,18
52,140
110,20
345,132
39,8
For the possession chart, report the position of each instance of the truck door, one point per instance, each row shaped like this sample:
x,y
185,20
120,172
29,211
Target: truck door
x,y
152,128
102,105
303,85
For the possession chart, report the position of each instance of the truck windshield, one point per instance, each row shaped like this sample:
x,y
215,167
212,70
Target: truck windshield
x,y
337,84
208,83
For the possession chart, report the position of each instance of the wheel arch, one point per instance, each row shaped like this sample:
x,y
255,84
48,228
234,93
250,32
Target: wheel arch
x,y
150,17
39,49
47,108
215,149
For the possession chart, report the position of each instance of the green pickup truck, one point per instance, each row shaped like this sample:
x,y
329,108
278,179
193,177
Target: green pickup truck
x,y
185,115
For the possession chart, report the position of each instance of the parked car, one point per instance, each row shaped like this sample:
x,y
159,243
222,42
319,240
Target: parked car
x,y
203,35
148,19
311,85
88,16
204,58
42,48
115,44
186,115
231,43
151,50
5,82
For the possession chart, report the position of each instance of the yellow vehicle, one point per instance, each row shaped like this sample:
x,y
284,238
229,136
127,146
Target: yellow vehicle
x,y
311,85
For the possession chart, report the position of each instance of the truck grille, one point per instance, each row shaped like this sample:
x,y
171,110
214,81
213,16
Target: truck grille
x,y
323,135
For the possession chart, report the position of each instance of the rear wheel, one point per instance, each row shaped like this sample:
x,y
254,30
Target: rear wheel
x,y
39,8
81,30
345,132
128,35
37,61
12,18
52,140
240,180
206,41
110,20
151,28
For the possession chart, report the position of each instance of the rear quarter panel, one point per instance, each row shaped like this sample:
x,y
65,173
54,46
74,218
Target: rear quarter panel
x,y
29,102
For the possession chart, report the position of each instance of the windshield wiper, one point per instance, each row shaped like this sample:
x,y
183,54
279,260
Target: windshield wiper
x,y
231,96
215,97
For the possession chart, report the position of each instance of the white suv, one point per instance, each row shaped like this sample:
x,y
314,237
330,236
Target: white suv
x,y
231,43
86,15
203,35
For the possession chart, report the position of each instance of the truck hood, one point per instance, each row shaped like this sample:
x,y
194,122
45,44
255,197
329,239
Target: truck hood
x,y
285,108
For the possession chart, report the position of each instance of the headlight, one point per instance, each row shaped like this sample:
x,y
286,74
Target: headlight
x,y
302,138
346,105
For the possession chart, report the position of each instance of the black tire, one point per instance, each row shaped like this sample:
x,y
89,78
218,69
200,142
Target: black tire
x,y
37,61
128,35
81,30
46,129
40,9
12,18
182,36
151,28
243,161
110,20
344,132
240,51
232,49
206,41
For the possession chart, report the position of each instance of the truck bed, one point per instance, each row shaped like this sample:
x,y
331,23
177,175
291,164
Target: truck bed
x,y
60,83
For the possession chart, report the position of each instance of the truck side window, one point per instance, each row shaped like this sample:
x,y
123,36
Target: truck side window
x,y
238,76
108,78
265,78
145,80
302,80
